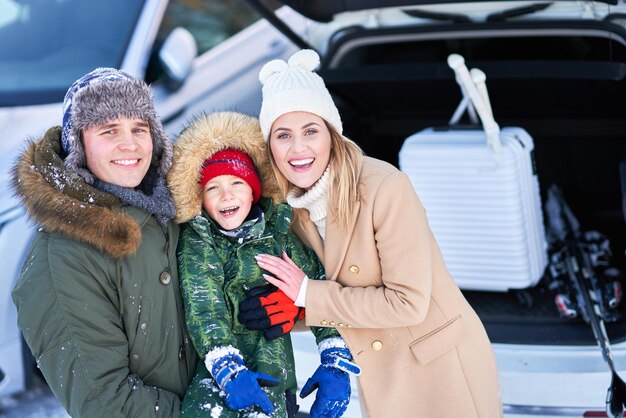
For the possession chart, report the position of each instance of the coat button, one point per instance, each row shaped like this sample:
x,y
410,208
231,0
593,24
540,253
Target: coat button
x,y
135,357
143,326
332,323
165,277
323,322
340,325
377,345
354,269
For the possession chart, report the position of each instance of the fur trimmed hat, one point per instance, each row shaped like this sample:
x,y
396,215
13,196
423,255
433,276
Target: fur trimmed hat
x,y
294,86
103,95
235,163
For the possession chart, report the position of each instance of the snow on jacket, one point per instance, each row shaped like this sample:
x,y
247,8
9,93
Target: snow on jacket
x,y
98,298
216,270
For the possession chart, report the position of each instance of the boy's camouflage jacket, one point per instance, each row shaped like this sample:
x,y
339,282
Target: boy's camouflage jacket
x,y
215,270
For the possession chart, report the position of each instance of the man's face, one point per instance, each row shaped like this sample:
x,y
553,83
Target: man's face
x,y
119,151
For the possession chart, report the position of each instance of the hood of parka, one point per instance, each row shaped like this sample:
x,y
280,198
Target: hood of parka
x,y
204,136
60,201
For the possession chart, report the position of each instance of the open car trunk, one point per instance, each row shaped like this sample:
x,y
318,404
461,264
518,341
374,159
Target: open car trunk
x,y
564,82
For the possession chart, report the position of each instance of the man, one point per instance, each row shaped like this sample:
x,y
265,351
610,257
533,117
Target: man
x,y
98,298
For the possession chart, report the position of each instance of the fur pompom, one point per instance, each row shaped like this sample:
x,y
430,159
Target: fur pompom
x,y
307,59
271,68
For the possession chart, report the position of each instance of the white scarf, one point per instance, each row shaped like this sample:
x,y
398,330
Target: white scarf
x,y
315,200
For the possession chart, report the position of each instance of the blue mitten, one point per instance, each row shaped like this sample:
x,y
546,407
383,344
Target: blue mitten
x,y
241,385
331,379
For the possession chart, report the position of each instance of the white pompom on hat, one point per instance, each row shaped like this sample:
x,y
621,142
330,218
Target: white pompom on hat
x,y
294,86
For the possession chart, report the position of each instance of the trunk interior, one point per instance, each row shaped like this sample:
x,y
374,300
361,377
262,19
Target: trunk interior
x,y
562,82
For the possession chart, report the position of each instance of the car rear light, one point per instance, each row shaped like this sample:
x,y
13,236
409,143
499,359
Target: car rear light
x,y
595,414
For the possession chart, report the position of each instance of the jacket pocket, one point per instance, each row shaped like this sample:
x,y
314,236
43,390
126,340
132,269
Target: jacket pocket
x,y
439,341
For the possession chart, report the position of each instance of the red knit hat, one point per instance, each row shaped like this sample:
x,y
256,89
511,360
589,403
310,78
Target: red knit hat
x,y
235,163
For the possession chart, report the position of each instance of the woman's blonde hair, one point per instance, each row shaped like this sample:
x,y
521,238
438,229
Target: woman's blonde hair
x,y
346,160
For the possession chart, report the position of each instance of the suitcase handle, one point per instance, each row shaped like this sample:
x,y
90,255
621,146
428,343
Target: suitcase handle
x,y
474,87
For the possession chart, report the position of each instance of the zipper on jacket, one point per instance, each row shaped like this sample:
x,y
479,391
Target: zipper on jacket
x,y
118,283
184,348
250,241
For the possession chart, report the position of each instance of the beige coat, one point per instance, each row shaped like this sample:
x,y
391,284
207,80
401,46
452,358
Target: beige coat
x,y
422,348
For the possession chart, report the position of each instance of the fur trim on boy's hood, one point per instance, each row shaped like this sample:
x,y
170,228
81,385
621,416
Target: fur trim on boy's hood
x,y
203,137
62,202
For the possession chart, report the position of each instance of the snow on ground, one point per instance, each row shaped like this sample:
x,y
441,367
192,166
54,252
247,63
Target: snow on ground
x,y
38,402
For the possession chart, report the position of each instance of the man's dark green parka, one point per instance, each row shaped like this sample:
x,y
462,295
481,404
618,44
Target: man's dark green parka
x,y
98,298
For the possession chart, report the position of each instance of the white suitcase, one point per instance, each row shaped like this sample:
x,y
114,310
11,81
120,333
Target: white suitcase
x,y
484,207
485,214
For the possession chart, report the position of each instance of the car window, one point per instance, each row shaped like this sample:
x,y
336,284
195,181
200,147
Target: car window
x,y
210,22
46,45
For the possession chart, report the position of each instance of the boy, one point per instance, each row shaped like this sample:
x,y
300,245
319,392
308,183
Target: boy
x,y
226,224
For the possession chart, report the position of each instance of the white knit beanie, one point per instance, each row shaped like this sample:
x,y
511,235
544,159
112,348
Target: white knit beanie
x,y
294,86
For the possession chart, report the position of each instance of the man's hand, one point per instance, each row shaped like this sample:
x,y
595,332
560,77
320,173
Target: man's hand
x,y
267,308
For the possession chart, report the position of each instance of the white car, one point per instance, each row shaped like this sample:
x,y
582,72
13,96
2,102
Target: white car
x,y
557,69
46,45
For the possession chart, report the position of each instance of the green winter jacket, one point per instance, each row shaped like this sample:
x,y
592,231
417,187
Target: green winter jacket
x,y
215,271
98,298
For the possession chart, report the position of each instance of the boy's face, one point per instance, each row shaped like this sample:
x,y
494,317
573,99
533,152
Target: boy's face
x,y
119,151
227,199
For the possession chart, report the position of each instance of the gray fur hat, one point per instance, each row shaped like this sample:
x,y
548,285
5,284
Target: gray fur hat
x,y
102,95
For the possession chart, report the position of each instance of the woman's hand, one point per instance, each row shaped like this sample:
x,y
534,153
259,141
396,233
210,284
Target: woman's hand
x,y
288,276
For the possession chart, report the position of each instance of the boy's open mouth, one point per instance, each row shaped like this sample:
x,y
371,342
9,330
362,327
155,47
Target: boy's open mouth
x,y
229,210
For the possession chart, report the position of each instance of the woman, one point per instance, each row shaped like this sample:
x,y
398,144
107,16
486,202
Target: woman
x,y
422,349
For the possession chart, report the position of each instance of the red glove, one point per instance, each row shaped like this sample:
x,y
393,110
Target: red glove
x,y
269,309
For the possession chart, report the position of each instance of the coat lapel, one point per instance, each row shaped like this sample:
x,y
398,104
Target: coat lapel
x,y
336,244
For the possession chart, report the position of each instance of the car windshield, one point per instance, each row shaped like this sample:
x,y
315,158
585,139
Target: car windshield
x,y
47,44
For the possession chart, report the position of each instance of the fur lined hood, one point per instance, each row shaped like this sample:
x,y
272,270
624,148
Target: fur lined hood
x,y
62,202
203,137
